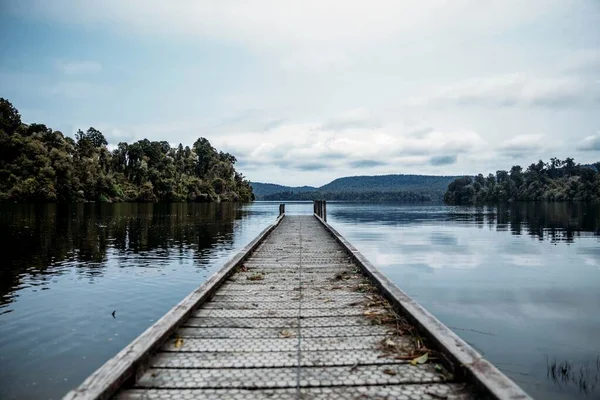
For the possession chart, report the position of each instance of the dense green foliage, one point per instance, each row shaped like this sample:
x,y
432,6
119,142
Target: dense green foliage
x,y
38,164
556,180
362,188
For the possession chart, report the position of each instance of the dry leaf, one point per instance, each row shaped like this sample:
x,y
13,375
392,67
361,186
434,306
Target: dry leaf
x,y
256,277
286,333
420,360
436,395
178,343
389,371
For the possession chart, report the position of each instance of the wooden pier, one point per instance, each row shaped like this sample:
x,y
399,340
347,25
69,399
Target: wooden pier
x,y
298,314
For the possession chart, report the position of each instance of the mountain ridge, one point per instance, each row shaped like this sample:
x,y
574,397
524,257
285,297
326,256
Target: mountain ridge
x,y
359,187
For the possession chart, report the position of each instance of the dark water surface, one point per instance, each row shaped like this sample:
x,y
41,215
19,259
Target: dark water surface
x,y
520,283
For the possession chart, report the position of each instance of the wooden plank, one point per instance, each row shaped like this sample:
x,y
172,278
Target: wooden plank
x,y
263,378
104,383
471,364
406,391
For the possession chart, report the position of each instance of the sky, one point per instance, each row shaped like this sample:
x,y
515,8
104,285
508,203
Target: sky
x,y
305,92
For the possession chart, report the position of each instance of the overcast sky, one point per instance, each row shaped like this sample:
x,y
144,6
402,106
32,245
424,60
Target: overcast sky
x,y
302,92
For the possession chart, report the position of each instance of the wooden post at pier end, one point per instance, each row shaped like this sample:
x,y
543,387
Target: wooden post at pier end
x,y
320,209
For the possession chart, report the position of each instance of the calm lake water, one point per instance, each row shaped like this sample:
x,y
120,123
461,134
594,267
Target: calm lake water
x,y
521,284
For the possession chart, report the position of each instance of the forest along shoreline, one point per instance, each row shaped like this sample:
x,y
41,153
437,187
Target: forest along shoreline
x,y
38,164
556,180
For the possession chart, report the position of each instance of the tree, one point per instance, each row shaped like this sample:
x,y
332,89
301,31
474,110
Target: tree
x,y
554,181
516,175
39,164
10,119
96,137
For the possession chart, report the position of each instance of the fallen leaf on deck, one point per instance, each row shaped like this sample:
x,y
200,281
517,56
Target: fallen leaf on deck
x,y
178,343
435,394
286,333
256,277
420,360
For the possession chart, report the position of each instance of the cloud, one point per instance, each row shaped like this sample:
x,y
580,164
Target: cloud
x,y
310,166
443,160
522,143
516,90
583,62
311,35
78,67
590,143
272,20
313,60
272,124
351,119
316,146
366,163
77,89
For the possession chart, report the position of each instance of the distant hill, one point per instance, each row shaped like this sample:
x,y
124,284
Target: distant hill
x,y
378,187
388,183
261,190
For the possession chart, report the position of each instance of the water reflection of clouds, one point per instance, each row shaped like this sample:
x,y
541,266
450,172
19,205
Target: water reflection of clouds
x,y
524,260
520,305
438,260
443,239
422,246
590,255
592,262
